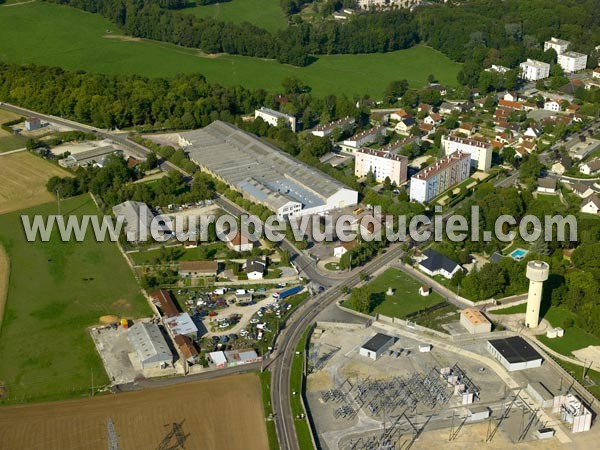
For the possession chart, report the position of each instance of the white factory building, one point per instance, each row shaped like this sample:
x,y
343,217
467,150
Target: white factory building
x,y
437,178
572,61
558,45
150,345
514,353
273,117
263,173
533,70
382,164
481,152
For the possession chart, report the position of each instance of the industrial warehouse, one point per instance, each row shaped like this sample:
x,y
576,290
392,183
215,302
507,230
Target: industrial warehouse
x,y
263,173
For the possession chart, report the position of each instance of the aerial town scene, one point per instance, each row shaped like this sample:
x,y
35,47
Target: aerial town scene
x,y
299,224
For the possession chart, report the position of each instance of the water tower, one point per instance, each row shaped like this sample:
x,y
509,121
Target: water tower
x,y
537,273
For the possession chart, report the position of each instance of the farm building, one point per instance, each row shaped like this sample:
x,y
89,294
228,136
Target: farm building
x,y
186,347
150,345
181,324
376,346
514,353
474,321
434,263
137,219
33,123
255,269
163,300
196,269
263,173
92,157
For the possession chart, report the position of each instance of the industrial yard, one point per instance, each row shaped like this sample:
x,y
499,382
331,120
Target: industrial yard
x,y
385,386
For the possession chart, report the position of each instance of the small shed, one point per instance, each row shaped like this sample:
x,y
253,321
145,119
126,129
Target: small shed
x,y
218,359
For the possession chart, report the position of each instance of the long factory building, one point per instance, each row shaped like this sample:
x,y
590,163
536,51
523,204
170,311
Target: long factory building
x,y
263,173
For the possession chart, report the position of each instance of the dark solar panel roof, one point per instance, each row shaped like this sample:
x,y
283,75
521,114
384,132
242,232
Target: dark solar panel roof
x,y
515,349
377,341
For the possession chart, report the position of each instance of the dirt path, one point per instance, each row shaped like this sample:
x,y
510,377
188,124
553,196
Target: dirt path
x,y
4,277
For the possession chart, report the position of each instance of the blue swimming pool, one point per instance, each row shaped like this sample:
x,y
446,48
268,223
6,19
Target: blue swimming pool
x,y
518,254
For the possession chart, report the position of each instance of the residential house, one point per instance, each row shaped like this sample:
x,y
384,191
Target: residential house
x,y
448,108
510,96
404,125
552,105
434,263
255,268
533,131
546,185
591,205
582,190
399,115
596,73
239,241
198,269
515,106
562,165
591,167
433,119
424,107
466,128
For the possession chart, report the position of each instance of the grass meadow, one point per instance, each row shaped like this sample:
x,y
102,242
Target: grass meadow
x,y
57,290
266,14
56,35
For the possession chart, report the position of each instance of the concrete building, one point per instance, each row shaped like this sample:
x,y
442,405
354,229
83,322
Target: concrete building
x,y
137,219
546,185
363,139
481,152
198,269
326,130
273,117
572,411
514,353
532,70
263,173
572,61
439,177
186,347
376,346
434,263
474,321
241,357
537,273
382,164
552,105
93,157
33,123
558,45
218,359
540,394
477,413
150,345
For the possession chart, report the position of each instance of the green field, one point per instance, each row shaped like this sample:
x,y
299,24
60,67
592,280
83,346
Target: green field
x,y
266,14
574,338
406,299
56,290
56,35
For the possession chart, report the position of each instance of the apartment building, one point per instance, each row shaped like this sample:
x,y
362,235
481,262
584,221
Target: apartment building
x,y
559,45
439,177
533,70
572,61
273,117
382,164
481,152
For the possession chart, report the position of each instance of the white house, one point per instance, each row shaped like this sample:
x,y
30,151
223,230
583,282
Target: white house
x,y
582,190
596,73
533,131
533,70
572,61
343,248
546,185
433,119
239,242
591,167
510,96
552,105
404,125
591,205
255,269
434,263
